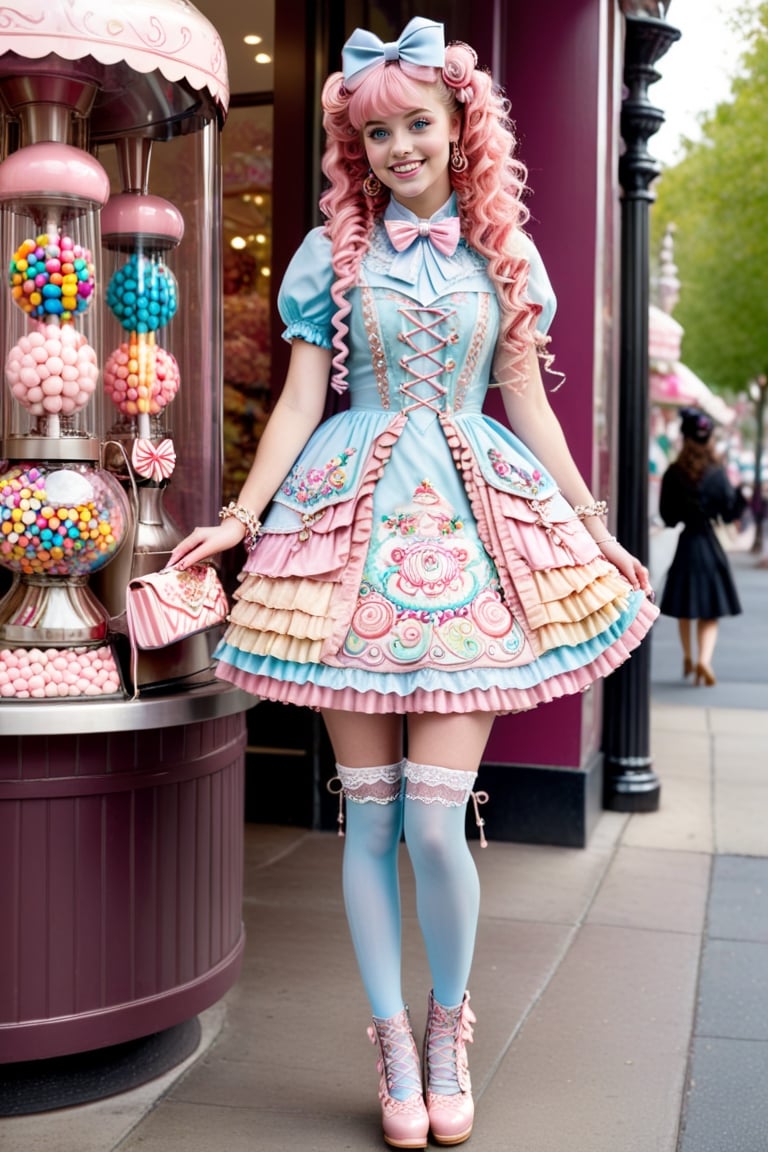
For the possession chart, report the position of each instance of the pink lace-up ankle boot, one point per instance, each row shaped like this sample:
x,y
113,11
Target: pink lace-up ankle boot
x,y
403,1116
450,1105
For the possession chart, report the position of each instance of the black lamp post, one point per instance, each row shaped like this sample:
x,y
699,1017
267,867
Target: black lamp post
x,y
630,784
757,392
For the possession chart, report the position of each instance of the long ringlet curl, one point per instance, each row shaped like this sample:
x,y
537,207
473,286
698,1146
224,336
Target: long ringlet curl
x,y
490,196
489,192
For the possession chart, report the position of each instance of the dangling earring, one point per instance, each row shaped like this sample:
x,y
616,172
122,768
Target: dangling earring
x,y
459,162
371,184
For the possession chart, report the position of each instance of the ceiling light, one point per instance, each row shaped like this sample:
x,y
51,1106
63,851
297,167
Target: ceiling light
x,y
237,242
263,58
252,39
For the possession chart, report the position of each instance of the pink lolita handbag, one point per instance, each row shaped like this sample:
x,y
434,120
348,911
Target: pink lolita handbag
x,y
166,606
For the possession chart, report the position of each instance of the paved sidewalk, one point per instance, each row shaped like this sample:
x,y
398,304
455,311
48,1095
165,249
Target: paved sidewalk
x,y
621,990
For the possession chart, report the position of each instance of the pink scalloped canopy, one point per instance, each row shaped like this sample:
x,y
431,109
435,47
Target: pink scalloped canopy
x,y
169,36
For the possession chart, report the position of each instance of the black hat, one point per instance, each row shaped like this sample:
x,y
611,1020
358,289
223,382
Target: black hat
x,y
696,425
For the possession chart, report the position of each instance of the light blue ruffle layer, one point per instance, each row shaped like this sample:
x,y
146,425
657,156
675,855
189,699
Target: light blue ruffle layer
x,y
526,676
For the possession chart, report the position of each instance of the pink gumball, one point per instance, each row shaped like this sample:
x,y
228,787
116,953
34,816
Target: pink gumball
x,y
38,367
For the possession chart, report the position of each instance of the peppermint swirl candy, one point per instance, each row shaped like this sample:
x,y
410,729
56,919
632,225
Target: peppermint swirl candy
x,y
492,617
373,618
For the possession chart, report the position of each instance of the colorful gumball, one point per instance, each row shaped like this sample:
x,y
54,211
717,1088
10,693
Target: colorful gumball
x,y
52,370
141,378
143,295
63,521
51,277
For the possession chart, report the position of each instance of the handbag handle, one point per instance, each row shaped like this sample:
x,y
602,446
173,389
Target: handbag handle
x,y
131,477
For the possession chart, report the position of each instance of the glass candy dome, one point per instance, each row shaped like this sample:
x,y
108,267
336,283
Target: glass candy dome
x,y
60,519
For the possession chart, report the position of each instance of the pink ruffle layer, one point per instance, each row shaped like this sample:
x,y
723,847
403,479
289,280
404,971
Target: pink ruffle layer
x,y
496,699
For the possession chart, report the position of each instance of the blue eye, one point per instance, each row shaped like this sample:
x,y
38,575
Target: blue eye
x,y
377,134
420,123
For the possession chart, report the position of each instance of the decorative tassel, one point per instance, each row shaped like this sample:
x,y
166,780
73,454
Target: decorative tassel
x,y
338,791
479,798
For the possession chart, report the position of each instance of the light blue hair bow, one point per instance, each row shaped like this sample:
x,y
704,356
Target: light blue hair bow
x,y
421,42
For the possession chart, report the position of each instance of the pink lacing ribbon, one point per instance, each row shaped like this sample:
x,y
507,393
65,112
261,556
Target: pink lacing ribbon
x,y
449,1032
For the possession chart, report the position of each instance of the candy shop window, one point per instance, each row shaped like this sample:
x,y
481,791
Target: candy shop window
x,y
247,265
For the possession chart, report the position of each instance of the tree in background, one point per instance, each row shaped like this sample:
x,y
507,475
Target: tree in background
x,y
717,199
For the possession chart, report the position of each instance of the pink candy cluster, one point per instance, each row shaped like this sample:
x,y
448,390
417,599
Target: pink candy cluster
x,y
53,673
141,377
52,370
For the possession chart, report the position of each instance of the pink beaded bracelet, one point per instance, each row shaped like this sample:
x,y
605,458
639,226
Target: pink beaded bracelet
x,y
248,519
596,508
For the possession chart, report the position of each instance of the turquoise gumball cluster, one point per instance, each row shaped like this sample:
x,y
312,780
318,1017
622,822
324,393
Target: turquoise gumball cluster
x,y
142,295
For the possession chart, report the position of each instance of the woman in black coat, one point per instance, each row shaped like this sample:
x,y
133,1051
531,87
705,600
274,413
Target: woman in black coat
x,y
699,585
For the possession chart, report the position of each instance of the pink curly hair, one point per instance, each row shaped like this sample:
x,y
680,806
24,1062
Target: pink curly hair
x,y
489,191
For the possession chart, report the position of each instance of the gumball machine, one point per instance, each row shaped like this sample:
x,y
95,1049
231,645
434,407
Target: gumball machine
x,y
141,376
62,516
121,816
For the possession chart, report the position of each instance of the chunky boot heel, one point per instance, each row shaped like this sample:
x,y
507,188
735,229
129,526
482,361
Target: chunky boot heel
x,y
450,1106
405,1121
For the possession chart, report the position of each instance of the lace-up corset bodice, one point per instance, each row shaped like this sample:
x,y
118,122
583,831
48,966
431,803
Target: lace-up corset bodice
x,y
411,356
421,335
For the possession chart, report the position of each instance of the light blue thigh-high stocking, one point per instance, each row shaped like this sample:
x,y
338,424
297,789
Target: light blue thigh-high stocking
x,y
447,884
374,822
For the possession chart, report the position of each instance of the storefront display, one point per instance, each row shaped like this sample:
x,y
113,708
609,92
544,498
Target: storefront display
x,y
111,409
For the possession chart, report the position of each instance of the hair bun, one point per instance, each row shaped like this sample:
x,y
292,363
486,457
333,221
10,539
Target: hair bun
x,y
334,95
459,67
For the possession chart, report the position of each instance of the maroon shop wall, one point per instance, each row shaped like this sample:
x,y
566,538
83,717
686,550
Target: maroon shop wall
x,y
560,63
564,87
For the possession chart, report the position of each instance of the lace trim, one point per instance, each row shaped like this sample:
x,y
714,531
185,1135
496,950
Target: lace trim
x,y
478,339
378,354
434,785
431,784
378,785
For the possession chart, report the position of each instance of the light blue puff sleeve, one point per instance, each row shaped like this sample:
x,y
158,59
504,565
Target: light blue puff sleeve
x,y
304,300
540,289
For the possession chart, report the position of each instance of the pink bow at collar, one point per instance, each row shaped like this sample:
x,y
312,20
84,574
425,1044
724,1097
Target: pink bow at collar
x,y
442,234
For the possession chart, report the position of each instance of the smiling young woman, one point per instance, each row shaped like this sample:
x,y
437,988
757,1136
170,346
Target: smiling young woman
x,y
420,567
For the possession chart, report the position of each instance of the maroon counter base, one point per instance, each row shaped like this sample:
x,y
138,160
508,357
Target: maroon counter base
x,y
120,868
